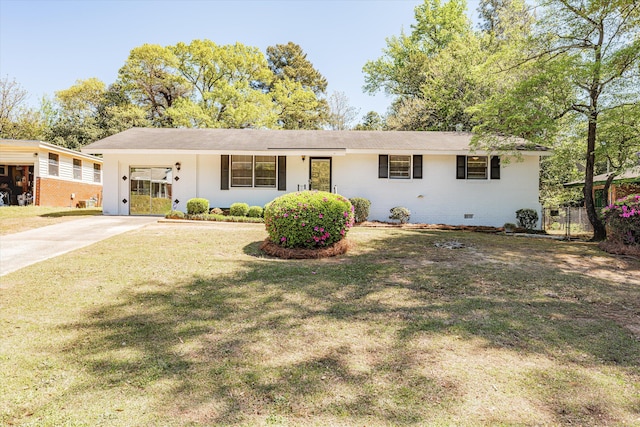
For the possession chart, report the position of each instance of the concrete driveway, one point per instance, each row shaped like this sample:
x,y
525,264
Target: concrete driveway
x,y
29,247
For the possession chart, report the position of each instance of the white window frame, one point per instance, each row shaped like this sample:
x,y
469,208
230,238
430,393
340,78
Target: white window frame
x,y
397,172
97,172
54,164
77,169
479,172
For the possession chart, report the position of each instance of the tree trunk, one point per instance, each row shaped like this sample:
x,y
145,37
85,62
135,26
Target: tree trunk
x,y
599,231
607,186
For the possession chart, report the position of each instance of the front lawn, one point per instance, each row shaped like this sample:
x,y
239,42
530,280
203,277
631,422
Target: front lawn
x,y
188,324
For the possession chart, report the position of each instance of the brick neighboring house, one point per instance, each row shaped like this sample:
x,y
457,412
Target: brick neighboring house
x,y
36,172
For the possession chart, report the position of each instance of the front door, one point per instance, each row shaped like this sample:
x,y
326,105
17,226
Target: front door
x,y
320,174
150,192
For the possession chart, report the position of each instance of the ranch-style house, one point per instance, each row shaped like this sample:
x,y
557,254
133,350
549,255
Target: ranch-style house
x,y
436,175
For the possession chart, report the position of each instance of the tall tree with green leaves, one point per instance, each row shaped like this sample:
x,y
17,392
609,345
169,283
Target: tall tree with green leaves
x,y
298,88
227,84
150,78
429,71
583,63
371,121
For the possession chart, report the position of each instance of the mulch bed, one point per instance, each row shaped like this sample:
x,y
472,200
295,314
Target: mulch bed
x,y
476,228
337,248
617,248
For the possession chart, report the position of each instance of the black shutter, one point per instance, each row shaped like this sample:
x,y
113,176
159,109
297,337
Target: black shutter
x,y
224,172
417,166
461,167
282,173
383,166
495,167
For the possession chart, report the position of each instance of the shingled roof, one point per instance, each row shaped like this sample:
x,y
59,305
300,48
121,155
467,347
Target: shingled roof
x,y
254,140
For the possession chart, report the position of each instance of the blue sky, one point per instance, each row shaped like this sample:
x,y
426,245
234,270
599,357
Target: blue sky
x,y
47,45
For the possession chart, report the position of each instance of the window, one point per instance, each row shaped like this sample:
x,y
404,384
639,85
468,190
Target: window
x,y
250,171
399,166
241,171
265,171
97,173
77,169
53,164
477,167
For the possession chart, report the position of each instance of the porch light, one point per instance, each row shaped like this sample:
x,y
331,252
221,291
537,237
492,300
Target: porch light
x,y
178,165
303,157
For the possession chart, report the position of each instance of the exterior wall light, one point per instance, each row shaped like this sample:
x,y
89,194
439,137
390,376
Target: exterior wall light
x,y
178,166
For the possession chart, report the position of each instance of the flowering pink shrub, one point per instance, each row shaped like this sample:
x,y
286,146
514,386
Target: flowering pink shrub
x,y
622,219
308,219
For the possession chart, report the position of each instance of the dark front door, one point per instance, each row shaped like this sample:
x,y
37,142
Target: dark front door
x,y
320,174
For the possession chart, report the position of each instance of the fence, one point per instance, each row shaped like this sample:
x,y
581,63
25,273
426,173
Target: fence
x,y
568,221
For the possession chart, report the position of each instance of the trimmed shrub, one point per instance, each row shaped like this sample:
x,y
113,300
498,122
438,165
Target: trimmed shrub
x,y
527,218
622,220
239,209
175,215
197,206
360,208
255,212
308,219
216,211
400,213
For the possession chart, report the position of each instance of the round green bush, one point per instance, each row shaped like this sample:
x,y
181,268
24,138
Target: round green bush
x,y
175,215
197,206
255,212
239,209
400,213
308,219
361,208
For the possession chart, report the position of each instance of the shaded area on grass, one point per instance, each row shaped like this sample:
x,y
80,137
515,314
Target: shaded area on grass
x,y
340,341
395,332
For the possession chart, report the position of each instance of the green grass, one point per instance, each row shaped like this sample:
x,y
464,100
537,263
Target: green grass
x,y
14,219
188,324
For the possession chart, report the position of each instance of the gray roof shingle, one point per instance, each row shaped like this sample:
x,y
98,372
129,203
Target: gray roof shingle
x,y
262,140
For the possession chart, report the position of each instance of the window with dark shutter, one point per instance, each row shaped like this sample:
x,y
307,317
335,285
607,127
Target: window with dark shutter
x,y
282,173
224,172
461,167
495,167
417,166
383,166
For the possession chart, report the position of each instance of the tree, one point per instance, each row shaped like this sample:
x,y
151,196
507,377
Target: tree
x,y
88,111
227,81
149,76
429,71
341,113
371,121
292,70
288,61
16,120
584,61
12,96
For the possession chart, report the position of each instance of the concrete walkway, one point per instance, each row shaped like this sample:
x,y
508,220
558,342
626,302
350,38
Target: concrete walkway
x,y
29,247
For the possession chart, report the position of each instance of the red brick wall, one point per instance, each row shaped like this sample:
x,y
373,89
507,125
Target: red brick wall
x,y
57,192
